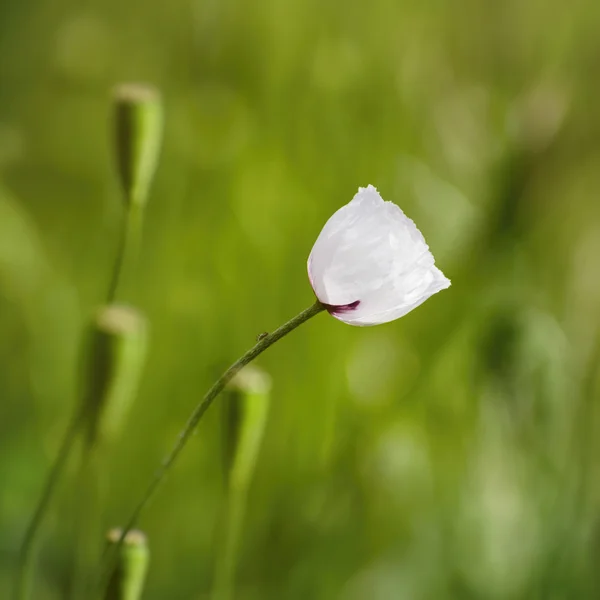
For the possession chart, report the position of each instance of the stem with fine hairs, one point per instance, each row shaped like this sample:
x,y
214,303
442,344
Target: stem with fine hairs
x,y
195,417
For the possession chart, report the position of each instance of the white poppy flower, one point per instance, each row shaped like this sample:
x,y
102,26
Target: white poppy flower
x,y
371,264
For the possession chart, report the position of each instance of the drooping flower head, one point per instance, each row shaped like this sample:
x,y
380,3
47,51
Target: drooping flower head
x,y
370,263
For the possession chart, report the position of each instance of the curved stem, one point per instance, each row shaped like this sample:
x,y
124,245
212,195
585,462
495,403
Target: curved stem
x,y
24,568
198,413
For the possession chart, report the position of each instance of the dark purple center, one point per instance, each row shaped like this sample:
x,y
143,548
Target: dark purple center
x,y
339,309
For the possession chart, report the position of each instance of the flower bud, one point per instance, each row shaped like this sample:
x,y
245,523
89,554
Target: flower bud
x,y
127,580
138,135
245,412
116,357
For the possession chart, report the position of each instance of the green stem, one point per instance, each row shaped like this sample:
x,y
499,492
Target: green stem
x,y
26,555
232,528
92,486
198,413
128,249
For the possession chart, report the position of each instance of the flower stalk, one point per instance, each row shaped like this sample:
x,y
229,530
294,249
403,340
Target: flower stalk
x,y
197,414
26,564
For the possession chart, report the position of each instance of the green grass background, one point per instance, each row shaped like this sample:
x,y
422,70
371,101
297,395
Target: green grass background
x,y
452,454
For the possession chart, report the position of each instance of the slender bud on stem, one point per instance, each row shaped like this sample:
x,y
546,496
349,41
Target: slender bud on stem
x,y
245,409
115,361
138,135
138,124
127,580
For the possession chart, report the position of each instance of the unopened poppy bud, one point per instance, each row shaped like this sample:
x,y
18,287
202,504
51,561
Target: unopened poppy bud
x,y
370,263
127,580
138,136
245,408
117,353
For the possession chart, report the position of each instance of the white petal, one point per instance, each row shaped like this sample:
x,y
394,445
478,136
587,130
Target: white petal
x,y
372,256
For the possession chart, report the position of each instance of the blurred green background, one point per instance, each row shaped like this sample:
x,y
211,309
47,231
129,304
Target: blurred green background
x,y
452,454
